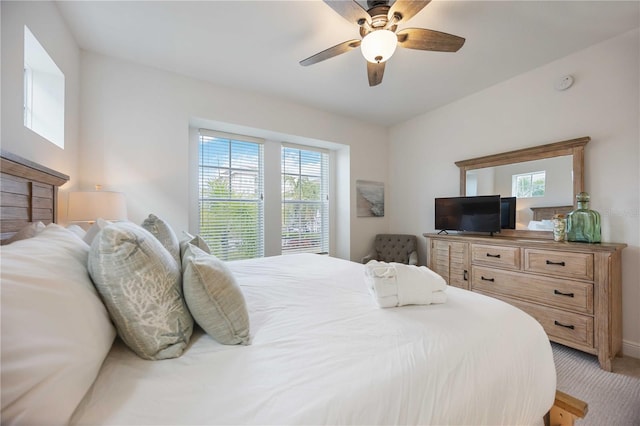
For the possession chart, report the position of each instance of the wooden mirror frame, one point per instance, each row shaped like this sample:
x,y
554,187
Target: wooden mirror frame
x,y
573,147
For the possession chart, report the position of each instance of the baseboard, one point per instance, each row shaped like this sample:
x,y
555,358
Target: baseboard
x,y
631,349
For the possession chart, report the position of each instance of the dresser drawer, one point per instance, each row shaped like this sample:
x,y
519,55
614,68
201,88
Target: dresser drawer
x,y
458,269
564,294
559,263
502,256
564,327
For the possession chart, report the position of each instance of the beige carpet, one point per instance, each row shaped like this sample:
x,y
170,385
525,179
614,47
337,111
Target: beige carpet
x,y
613,398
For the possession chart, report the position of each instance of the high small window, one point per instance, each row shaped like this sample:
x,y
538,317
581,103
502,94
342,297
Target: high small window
x,y
43,92
231,195
305,200
528,185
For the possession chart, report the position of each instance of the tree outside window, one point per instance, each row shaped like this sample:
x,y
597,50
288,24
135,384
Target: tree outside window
x,y
231,207
304,201
528,185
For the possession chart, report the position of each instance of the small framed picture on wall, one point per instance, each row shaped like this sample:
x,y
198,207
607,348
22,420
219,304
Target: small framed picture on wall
x,y
370,198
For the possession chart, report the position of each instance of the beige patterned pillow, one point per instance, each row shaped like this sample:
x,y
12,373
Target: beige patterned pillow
x,y
196,241
140,284
214,298
164,233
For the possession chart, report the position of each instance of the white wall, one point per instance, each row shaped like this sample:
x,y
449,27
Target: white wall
x,y
47,25
526,111
135,139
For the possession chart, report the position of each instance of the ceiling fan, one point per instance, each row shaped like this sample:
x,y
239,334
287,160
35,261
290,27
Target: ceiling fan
x,y
378,29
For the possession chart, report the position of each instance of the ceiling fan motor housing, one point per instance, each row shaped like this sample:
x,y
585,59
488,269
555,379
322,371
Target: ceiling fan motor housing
x,y
373,3
379,19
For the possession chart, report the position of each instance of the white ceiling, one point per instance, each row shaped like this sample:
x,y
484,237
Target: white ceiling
x,y
256,46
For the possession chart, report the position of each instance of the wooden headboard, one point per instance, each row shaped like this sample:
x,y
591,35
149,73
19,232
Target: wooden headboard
x,y
541,213
28,193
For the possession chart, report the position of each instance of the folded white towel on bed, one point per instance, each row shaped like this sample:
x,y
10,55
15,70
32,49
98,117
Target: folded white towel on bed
x,y
397,284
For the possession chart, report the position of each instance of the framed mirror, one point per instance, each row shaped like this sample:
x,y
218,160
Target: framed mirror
x,y
544,179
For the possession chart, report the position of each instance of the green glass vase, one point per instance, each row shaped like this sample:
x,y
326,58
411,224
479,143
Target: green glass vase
x,y
583,224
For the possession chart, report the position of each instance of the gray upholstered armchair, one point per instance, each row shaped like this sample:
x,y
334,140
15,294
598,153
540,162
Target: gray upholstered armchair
x,y
399,248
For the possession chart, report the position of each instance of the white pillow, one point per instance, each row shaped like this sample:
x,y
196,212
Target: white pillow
x,y
55,330
77,230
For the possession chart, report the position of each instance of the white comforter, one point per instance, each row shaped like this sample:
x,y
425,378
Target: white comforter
x,y
324,353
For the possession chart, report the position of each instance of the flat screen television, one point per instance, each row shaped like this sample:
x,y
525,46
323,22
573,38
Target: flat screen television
x,y
508,213
470,214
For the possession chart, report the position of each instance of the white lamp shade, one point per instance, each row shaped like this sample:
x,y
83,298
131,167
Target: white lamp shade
x,y
87,206
379,45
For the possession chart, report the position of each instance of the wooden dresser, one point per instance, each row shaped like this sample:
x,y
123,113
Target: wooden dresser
x,y
572,289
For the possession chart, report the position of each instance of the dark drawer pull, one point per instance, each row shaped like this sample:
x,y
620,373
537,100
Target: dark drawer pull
x,y
493,255
465,275
562,294
487,279
564,325
549,262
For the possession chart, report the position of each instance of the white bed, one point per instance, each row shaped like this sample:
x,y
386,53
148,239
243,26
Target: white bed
x,y
322,352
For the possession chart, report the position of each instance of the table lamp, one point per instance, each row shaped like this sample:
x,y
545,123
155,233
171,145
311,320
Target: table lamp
x,y
87,206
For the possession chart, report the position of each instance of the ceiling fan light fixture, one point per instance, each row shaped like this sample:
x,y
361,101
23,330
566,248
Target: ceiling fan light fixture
x,y
378,46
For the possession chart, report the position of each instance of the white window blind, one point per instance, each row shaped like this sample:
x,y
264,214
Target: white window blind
x,y
230,195
305,200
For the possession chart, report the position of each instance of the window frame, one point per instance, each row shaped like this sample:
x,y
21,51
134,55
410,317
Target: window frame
x,y
209,234
322,203
43,91
515,187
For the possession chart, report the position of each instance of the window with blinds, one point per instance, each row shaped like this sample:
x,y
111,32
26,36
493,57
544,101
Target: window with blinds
x,y
230,195
528,185
305,200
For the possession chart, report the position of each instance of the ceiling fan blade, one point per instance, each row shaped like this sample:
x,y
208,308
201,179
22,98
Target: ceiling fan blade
x,y
406,9
422,39
331,52
349,10
375,71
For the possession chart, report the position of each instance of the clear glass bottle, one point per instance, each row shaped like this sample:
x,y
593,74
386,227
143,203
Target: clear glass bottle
x,y
559,227
583,224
